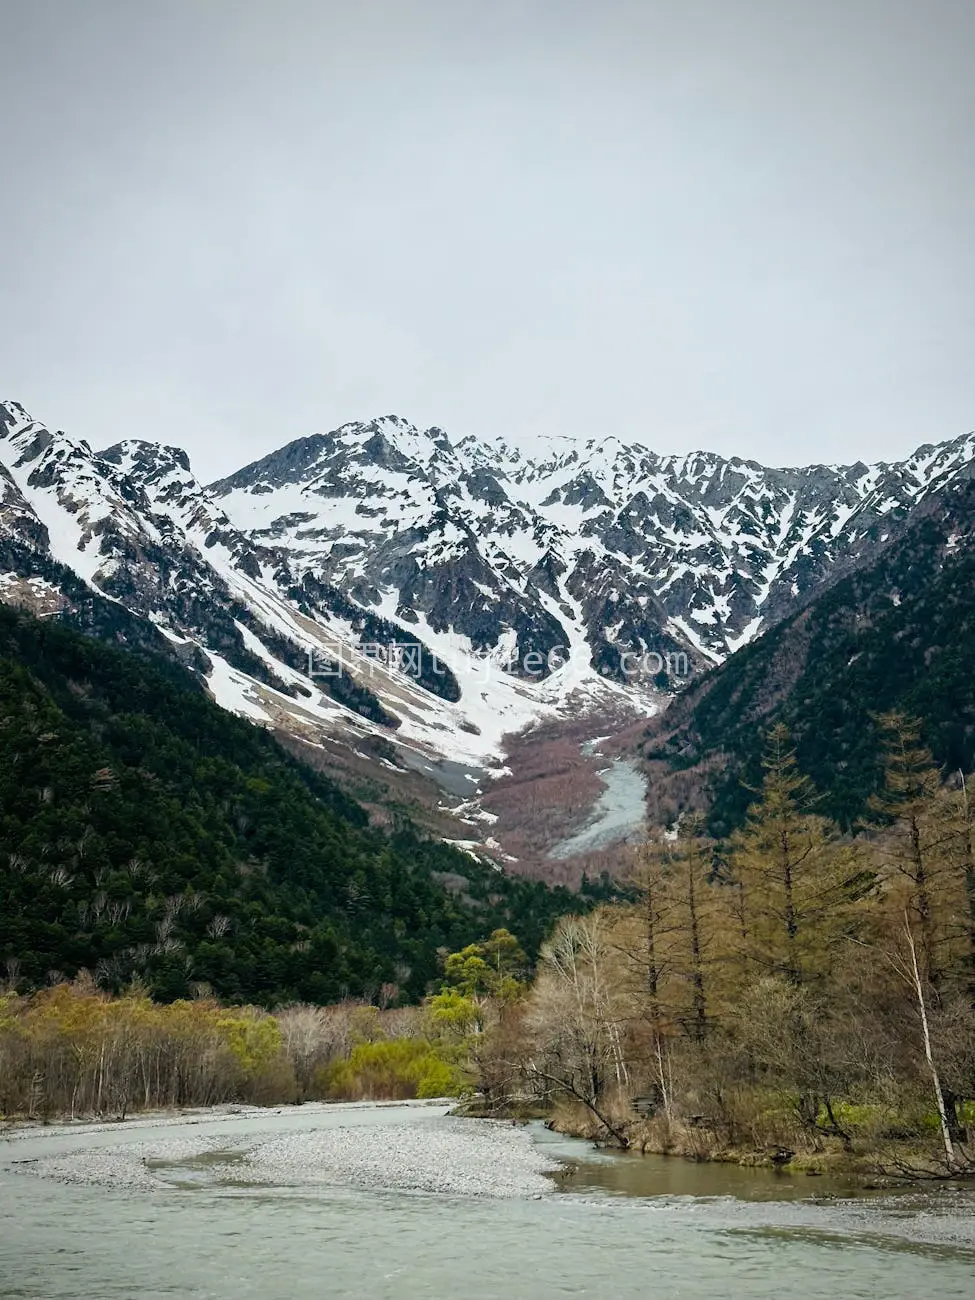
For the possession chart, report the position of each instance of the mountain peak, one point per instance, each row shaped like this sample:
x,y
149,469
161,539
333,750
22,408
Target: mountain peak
x,y
134,455
12,412
479,549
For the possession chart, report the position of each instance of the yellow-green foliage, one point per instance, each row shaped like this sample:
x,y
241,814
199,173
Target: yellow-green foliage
x,y
856,1117
496,967
74,1049
254,1039
453,1012
398,1068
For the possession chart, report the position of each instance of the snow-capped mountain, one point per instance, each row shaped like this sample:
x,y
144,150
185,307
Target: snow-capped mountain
x,y
383,580
630,550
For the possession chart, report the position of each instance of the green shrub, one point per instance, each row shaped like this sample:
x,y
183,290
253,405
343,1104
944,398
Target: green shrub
x,y
394,1069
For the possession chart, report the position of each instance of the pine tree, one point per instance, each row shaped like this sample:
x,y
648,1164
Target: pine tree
x,y
966,853
922,839
793,878
697,923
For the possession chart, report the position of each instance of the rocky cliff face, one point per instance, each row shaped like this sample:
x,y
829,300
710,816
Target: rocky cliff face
x,y
387,580
601,542
894,634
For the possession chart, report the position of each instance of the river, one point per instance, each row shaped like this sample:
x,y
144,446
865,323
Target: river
x,y
613,1225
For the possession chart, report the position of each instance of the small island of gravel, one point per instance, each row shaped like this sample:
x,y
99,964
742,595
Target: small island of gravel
x,y
419,1149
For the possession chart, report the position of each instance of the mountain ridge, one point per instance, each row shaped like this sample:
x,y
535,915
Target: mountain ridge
x,y
708,529
462,588
893,634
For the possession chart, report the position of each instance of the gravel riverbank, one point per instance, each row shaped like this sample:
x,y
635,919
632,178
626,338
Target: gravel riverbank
x,y
408,1149
459,1157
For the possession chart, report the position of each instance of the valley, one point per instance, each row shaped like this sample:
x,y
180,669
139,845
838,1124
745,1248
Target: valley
x,y
416,614
291,814
487,651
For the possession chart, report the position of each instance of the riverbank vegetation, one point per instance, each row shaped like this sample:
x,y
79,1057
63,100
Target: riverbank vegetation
x,y
791,994
75,1051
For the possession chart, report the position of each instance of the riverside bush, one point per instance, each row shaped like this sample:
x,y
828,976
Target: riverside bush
x,y
73,1050
398,1069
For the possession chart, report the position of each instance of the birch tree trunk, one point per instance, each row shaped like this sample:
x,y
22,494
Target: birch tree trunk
x,y
929,1057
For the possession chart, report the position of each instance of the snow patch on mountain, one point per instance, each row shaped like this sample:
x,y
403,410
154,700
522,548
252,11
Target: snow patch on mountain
x,y
314,577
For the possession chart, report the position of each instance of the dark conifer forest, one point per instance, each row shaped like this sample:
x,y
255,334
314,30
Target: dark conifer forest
x,y
147,834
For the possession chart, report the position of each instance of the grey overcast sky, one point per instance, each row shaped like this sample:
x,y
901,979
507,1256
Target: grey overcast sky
x,y
742,225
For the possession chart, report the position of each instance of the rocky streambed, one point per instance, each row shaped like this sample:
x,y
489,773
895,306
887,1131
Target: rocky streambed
x,y
374,1149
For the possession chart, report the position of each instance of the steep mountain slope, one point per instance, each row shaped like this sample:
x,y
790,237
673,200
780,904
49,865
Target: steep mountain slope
x,y
625,549
145,832
283,644
896,633
420,599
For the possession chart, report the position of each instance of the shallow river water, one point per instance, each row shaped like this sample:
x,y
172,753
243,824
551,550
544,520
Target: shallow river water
x,y
613,1226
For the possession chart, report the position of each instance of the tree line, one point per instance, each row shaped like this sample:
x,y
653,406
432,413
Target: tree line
x,y
74,1050
894,634
792,989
